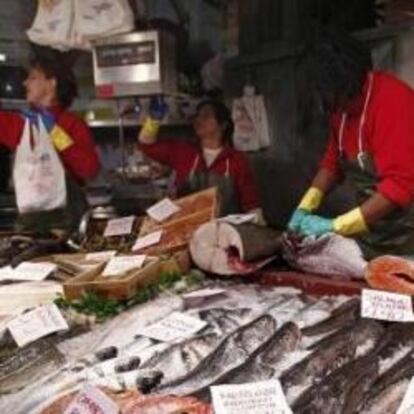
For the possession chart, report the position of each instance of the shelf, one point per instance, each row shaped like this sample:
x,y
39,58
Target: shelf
x,y
114,123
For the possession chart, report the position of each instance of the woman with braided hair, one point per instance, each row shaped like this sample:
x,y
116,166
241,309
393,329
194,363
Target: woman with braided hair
x,y
371,144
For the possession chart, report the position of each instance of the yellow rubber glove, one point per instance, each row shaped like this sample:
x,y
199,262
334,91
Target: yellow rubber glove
x,y
311,200
350,223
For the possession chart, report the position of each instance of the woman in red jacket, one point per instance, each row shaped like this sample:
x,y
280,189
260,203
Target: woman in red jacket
x,y
212,161
50,90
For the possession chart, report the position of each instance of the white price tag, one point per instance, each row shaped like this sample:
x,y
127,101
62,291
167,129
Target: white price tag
x,y
119,227
175,326
91,400
163,209
239,218
37,323
33,271
265,397
101,256
122,264
386,306
148,240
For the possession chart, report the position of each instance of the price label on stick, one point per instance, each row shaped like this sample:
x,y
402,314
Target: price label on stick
x,y
37,323
264,397
386,306
119,227
148,240
123,264
175,326
91,400
163,210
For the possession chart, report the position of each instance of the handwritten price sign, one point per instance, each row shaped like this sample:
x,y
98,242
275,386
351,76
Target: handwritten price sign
x,y
386,306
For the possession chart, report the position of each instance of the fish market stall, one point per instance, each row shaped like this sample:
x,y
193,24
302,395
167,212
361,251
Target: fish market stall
x,y
130,321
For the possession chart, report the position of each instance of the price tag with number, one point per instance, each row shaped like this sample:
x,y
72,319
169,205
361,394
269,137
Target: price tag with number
x,y
37,323
386,306
264,397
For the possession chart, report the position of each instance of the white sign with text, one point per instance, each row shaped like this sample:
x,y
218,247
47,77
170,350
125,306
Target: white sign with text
x,y
148,240
36,324
123,264
163,210
263,397
177,325
119,227
386,306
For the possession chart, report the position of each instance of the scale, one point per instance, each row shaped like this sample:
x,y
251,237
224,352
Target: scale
x,y
134,65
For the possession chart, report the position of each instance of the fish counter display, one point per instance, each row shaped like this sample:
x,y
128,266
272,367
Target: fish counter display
x,y
327,358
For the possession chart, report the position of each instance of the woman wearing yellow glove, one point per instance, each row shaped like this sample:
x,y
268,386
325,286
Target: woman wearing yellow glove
x,y
371,144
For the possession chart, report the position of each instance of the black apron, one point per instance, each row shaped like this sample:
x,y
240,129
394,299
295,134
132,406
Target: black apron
x,y
393,234
201,180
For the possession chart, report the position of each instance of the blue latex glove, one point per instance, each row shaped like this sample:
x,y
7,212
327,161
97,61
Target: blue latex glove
x,y
47,117
312,225
158,108
296,219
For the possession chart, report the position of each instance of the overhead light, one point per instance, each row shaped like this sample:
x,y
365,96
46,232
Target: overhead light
x,y
3,57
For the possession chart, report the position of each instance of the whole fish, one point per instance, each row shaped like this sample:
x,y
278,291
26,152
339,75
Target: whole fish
x,y
179,359
322,360
230,354
28,364
387,400
357,333
223,320
343,315
259,366
341,391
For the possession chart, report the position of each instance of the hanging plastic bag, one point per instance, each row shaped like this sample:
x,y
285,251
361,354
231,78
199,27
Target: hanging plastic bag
x,y
38,173
67,24
97,18
251,128
53,24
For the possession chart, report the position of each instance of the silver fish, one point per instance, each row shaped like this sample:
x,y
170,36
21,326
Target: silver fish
x,y
388,400
260,365
341,391
341,316
230,354
179,359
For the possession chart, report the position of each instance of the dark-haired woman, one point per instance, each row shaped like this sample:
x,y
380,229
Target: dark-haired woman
x,y
212,161
371,144
50,90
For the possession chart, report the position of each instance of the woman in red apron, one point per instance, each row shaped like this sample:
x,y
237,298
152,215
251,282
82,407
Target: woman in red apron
x,y
211,161
371,144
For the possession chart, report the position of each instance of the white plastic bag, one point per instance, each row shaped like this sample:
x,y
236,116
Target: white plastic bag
x,y
38,173
251,128
68,24
53,25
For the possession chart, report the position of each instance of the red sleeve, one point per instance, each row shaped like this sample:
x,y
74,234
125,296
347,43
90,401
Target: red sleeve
x,y
246,185
393,140
81,158
160,151
11,129
330,159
